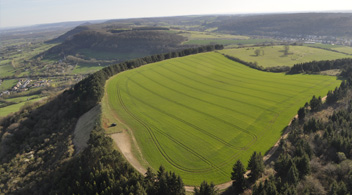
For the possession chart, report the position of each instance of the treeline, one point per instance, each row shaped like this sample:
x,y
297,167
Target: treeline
x,y
257,67
90,90
317,66
100,169
316,157
36,142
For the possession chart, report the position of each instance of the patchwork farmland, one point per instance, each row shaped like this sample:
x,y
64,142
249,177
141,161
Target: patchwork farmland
x,y
197,115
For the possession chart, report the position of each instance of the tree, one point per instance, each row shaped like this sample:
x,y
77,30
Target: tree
x,y
205,189
149,181
286,49
168,183
237,175
288,189
315,104
256,165
269,187
257,52
301,113
293,175
303,166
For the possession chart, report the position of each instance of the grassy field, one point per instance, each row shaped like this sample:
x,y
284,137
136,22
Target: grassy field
x,y
15,107
344,49
8,84
22,99
199,114
226,41
206,38
194,35
339,48
274,55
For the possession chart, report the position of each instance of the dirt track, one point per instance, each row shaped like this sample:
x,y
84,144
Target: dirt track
x,y
123,141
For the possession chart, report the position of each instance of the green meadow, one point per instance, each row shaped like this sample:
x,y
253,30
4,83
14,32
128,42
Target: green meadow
x,y
274,55
227,41
338,48
197,115
4,111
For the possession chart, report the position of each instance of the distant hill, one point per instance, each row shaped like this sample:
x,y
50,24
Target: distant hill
x,y
299,24
145,42
68,35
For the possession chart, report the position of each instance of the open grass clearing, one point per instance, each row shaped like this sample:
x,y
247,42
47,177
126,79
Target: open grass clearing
x,y
7,84
227,42
199,114
274,55
338,48
16,107
195,35
22,99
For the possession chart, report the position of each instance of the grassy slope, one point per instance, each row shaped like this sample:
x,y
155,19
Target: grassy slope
x,y
273,55
197,115
8,84
15,107
226,41
344,49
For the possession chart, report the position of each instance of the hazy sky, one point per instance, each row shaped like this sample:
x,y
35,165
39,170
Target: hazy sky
x,y
28,12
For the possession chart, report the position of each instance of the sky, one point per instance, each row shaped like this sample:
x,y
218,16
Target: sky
x,y
30,12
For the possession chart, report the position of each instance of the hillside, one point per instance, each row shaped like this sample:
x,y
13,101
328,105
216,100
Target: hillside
x,y
139,43
68,35
198,114
37,155
294,25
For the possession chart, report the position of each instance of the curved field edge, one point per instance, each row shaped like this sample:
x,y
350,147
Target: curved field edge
x,y
271,56
172,107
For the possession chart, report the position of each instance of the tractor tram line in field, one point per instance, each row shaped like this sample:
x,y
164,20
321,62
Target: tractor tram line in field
x,y
214,87
208,92
203,131
254,137
230,84
157,144
159,147
196,98
197,115
245,80
152,135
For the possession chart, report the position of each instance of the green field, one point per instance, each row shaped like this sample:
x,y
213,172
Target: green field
x,y
227,41
16,107
338,48
274,55
199,114
7,84
344,49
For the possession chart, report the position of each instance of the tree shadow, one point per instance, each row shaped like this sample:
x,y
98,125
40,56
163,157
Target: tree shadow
x,y
229,191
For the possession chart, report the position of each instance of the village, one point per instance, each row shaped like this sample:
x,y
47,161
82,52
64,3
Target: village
x,y
24,85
